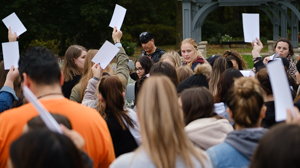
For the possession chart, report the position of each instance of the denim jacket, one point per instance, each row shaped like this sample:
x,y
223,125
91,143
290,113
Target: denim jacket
x,y
7,97
237,150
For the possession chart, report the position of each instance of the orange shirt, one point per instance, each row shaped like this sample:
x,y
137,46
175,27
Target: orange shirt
x,y
85,120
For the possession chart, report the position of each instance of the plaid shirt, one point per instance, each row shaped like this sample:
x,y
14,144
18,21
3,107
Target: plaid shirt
x,y
292,68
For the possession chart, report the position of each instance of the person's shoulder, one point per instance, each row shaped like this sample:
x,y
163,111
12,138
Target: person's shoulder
x,y
134,160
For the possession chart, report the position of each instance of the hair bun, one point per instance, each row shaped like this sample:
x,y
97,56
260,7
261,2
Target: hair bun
x,y
246,87
204,69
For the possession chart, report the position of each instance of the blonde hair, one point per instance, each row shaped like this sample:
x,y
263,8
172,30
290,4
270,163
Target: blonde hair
x,y
183,72
246,101
69,68
195,46
173,56
162,126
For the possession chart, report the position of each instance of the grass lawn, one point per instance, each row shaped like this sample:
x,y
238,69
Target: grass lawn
x,y
211,50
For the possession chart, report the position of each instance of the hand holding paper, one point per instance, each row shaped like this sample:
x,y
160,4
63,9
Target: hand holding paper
x,y
117,35
250,27
118,17
14,22
11,37
105,54
11,54
48,119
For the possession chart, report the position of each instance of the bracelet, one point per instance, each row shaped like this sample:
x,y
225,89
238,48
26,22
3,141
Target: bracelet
x,y
95,78
257,58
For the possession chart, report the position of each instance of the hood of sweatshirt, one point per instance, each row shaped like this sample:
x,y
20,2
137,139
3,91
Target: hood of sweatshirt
x,y
246,140
207,132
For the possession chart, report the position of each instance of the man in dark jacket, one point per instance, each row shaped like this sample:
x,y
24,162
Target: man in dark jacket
x,y
149,48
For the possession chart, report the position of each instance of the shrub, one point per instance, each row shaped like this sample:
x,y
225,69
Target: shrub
x,y
129,47
163,35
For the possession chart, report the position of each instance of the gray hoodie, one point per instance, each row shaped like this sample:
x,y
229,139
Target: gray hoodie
x,y
246,140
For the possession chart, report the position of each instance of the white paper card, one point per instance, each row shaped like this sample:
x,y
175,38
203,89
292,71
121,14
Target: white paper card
x,y
15,24
105,54
247,73
118,17
251,27
48,119
11,54
281,89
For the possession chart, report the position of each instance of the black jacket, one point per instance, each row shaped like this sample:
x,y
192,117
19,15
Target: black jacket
x,y
68,86
123,140
155,56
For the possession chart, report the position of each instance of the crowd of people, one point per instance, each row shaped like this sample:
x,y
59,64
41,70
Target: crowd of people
x,y
188,111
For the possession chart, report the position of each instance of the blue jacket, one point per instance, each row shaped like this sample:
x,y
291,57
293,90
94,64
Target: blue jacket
x,y
7,97
237,150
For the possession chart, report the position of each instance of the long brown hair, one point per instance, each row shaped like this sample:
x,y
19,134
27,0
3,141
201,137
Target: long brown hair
x,y
220,65
197,103
110,88
69,68
162,126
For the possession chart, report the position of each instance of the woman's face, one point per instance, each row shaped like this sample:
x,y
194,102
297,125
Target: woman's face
x,y
188,52
140,71
168,61
283,49
80,60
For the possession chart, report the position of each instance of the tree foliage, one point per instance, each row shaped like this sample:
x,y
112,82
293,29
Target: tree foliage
x,y
82,22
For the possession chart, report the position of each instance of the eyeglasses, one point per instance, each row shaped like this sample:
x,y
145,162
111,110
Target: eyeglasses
x,y
139,69
143,34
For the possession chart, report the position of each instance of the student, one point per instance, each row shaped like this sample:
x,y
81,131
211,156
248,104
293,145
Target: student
x,y
189,50
142,67
237,60
40,72
165,143
246,108
171,57
44,148
183,72
122,71
220,65
78,90
203,126
200,78
122,122
224,85
284,47
164,68
72,68
7,92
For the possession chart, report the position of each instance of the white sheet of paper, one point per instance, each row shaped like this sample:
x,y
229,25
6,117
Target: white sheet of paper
x,y
118,17
251,27
105,54
15,24
48,119
11,54
281,89
247,73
